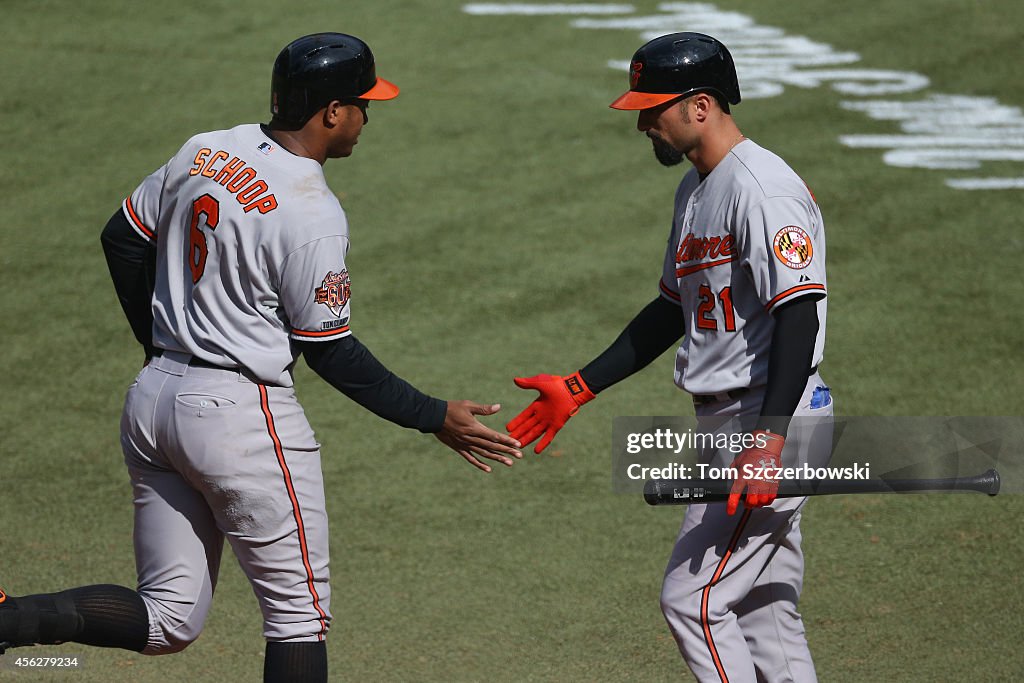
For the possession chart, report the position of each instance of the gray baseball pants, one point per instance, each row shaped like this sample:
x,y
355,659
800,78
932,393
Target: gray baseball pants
x,y
732,584
213,455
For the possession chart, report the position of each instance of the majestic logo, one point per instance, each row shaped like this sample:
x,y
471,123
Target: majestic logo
x,y
334,292
634,73
793,247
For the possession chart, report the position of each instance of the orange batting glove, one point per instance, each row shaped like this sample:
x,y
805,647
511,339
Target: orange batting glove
x,y
761,490
560,398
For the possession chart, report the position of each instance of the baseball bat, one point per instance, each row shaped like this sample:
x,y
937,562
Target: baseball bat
x,y
686,491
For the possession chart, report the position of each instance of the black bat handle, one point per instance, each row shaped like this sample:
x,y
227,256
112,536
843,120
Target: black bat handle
x,y
686,491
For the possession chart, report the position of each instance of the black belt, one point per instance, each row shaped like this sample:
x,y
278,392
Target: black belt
x,y
200,363
732,394
196,362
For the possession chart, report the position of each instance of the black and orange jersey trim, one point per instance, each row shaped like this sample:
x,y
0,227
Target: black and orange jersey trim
x,y
320,334
809,287
136,222
296,508
668,293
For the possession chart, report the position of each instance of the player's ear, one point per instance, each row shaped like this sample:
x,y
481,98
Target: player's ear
x,y
703,103
333,113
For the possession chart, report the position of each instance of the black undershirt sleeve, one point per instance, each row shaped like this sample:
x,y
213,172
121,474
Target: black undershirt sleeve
x,y
349,367
654,330
789,362
132,263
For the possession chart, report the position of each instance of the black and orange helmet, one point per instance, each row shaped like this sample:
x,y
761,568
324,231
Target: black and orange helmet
x,y
678,65
313,70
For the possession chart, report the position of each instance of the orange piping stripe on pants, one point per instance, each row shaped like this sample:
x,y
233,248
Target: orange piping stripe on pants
x,y
279,451
706,596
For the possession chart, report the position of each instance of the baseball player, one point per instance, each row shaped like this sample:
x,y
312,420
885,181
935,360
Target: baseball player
x,y
744,285
249,272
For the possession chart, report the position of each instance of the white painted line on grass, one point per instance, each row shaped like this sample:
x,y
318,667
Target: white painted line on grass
x,y
937,131
977,138
501,9
986,183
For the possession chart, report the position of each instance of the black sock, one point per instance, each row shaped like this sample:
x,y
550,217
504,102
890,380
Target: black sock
x,y
104,616
295,663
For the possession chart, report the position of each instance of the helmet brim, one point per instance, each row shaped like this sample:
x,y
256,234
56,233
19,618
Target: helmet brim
x,y
633,101
381,90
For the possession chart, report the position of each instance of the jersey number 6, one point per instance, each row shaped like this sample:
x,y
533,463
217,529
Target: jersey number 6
x,y
209,208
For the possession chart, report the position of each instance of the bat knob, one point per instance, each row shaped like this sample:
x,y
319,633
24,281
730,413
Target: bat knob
x,y
993,487
652,491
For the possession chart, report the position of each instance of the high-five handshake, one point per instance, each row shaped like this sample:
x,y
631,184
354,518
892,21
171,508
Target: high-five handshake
x,y
562,397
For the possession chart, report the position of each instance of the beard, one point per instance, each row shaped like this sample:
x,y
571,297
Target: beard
x,y
666,154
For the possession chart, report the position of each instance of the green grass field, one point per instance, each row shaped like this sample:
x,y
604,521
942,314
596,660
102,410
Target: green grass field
x,y
505,221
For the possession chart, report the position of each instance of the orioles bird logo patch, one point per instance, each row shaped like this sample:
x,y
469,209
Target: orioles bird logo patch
x,y
334,292
634,73
793,247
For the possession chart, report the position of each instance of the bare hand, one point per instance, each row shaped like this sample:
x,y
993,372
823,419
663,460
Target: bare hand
x,y
465,435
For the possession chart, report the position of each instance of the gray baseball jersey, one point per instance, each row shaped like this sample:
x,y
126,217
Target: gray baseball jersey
x,y
254,244
745,240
